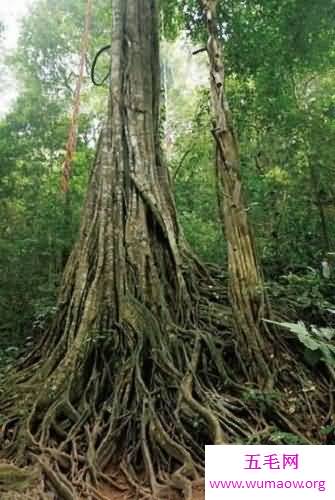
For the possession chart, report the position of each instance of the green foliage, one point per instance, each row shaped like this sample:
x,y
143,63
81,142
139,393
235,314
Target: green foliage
x,y
279,62
274,436
37,228
279,437
192,167
170,19
265,400
319,342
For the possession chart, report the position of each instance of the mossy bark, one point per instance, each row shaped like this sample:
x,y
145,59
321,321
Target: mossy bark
x,y
139,369
116,364
246,284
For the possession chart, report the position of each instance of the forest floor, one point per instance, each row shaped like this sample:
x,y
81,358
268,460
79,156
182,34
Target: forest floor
x,y
114,494
111,493
106,492
33,491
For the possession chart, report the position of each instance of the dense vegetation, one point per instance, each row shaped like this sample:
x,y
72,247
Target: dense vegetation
x,y
279,69
282,99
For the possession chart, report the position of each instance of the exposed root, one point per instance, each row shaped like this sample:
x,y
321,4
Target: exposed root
x,y
148,397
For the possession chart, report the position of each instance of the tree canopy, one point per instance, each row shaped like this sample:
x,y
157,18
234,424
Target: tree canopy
x,y
181,292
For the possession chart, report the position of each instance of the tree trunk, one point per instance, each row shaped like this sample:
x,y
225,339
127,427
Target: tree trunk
x,y
128,249
246,287
315,182
136,368
114,375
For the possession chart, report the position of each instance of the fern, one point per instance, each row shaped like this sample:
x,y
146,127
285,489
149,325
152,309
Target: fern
x,y
321,341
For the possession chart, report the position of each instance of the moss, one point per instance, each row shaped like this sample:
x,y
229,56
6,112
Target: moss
x,y
15,478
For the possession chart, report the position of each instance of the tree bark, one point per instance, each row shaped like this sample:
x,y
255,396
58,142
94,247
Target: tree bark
x,y
114,375
140,369
315,182
128,248
246,286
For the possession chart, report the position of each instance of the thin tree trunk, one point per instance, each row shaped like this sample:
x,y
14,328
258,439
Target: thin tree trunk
x,y
136,368
315,188
73,131
247,292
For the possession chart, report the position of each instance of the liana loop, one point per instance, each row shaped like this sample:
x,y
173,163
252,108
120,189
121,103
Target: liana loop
x,y
98,54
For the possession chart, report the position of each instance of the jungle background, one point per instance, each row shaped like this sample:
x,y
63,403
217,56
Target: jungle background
x,y
279,63
280,85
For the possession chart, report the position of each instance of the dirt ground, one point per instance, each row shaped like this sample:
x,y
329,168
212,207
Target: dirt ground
x,y
113,494
107,492
110,493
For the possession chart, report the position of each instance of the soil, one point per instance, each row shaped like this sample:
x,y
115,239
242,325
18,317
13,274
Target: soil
x,y
113,494
107,492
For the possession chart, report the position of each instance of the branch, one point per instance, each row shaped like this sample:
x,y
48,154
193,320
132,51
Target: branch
x,y
181,163
198,51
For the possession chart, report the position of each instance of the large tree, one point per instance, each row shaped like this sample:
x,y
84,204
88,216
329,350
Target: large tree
x,y
116,367
141,367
